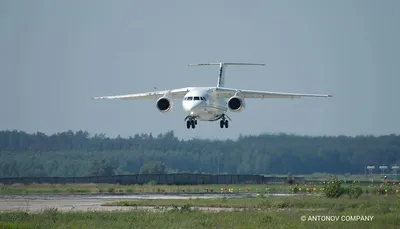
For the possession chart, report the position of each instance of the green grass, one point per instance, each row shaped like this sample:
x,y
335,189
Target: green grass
x,y
391,203
357,177
194,219
261,212
19,189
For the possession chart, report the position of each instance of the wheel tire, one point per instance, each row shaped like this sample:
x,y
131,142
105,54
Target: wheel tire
x,y
221,123
193,124
226,124
188,124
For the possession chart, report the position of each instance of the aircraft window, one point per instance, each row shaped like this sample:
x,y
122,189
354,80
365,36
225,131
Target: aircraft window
x,y
196,98
190,98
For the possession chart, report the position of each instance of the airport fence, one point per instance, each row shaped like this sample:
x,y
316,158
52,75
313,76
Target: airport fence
x,y
166,179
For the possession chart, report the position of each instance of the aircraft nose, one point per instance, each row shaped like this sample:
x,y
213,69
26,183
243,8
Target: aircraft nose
x,y
191,107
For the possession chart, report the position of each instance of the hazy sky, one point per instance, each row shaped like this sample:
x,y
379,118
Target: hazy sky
x,y
56,55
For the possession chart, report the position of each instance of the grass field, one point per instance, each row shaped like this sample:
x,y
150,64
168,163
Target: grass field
x,y
19,189
390,203
272,213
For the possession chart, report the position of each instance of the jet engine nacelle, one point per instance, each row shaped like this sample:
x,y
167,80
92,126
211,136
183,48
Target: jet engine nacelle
x,y
164,104
236,104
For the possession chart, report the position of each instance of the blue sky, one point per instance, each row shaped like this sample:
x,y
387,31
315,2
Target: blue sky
x,y
56,55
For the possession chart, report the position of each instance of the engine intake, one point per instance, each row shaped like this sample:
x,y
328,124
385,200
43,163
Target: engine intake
x,y
164,104
236,104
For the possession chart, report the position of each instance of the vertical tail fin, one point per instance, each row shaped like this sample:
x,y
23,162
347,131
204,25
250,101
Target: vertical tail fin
x,y
221,76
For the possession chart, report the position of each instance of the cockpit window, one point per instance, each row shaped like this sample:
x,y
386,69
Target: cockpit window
x,y
195,98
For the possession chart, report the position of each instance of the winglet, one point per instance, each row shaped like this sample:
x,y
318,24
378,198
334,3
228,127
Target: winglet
x,y
330,95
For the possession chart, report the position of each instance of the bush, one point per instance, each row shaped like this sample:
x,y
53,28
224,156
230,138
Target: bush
x,y
186,207
385,189
295,189
333,188
290,179
355,190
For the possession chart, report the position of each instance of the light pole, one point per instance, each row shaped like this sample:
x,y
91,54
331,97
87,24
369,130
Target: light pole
x,y
383,168
371,168
218,163
395,168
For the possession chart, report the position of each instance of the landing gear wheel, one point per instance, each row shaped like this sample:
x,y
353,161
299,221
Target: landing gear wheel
x,y
226,124
193,124
221,123
188,124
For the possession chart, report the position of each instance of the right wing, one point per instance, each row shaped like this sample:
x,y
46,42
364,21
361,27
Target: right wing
x,y
229,92
173,94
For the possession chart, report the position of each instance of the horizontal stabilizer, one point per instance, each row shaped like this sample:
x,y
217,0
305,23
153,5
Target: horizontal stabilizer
x,y
221,76
222,63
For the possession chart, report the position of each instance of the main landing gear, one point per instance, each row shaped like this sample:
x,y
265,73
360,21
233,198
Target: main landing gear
x,y
224,123
191,123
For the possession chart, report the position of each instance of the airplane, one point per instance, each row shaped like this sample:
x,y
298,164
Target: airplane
x,y
208,103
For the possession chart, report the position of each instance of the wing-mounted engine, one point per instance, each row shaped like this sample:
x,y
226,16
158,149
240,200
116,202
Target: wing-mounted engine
x,y
236,104
164,104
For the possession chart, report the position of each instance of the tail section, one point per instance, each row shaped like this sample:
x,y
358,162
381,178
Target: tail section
x,y
221,76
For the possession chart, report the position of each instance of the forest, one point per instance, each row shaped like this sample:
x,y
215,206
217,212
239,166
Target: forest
x,y
80,154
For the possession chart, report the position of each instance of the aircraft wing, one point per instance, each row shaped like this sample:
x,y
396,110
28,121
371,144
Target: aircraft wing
x,y
229,92
173,94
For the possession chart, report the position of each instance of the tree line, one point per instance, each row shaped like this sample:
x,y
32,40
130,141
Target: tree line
x,y
80,154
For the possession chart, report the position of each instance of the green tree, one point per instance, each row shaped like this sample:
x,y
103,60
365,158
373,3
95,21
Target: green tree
x,y
78,153
153,167
102,168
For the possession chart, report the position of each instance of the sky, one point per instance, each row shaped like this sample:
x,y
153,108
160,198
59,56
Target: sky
x,y
56,55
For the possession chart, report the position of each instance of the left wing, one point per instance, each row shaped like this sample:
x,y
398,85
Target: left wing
x,y
174,94
229,92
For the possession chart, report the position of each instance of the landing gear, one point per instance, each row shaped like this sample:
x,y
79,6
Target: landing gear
x,y
223,123
191,123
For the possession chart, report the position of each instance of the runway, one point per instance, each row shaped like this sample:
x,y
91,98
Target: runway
x,y
93,202
66,203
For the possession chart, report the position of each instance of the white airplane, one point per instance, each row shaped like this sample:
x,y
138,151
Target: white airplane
x,y
208,103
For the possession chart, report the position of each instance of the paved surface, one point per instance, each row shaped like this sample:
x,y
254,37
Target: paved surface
x,y
38,203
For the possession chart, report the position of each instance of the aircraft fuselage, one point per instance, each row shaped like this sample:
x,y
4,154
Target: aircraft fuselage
x,y
204,105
